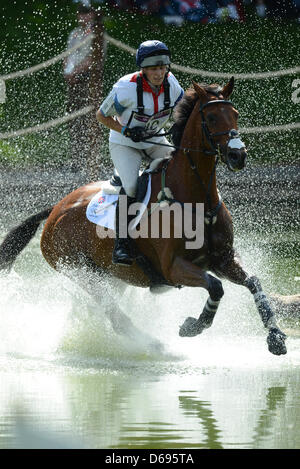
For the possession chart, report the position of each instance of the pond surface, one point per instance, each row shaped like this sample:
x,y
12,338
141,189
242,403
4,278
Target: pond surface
x,y
66,379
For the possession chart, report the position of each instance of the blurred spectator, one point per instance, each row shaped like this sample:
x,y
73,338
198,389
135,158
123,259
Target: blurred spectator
x,y
77,68
261,8
86,3
221,10
297,7
167,7
170,13
147,6
192,10
212,11
277,8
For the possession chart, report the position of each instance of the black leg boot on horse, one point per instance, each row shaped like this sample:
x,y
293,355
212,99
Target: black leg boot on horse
x,y
123,251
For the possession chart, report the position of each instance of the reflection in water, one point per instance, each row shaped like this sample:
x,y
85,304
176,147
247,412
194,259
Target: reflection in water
x,y
276,398
100,409
156,435
204,413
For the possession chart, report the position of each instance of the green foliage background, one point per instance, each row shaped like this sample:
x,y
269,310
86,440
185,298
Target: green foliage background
x,y
32,32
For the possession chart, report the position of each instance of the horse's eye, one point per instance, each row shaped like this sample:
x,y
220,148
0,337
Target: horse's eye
x,y
211,118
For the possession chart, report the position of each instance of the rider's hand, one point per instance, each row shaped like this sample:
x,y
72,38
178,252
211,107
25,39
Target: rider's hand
x,y
137,134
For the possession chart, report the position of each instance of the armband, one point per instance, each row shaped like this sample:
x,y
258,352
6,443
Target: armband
x,y
108,106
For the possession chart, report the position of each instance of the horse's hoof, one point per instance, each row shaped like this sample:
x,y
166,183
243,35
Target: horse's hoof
x,y
190,328
275,341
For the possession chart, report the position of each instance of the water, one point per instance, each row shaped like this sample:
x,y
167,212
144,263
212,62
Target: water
x,y
67,380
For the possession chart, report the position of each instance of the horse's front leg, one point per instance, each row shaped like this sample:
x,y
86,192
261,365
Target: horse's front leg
x,y
185,273
234,272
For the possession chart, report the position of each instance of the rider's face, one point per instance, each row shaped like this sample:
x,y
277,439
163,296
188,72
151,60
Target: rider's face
x,y
155,75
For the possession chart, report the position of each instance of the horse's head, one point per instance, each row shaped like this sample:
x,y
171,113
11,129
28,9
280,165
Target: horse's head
x,y
219,126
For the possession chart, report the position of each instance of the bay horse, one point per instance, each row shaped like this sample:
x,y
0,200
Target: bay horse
x,y
205,132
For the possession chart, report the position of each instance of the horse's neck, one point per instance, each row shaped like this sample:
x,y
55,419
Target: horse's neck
x,y
199,184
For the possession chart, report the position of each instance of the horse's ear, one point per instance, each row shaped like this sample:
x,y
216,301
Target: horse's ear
x,y
227,90
199,90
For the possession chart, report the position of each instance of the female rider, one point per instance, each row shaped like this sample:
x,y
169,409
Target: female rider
x,y
139,104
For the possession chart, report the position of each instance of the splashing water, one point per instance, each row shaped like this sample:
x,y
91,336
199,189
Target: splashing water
x,y
46,317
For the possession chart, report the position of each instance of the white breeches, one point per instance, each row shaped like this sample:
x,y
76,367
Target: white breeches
x,y
127,161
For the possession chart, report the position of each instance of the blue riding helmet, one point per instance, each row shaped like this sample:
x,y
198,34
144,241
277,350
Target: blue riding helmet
x,y
152,53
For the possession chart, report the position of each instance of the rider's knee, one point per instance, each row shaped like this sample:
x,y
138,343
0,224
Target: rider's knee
x,y
130,190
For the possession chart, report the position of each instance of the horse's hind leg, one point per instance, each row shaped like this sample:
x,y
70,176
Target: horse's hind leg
x,y
234,272
87,276
122,324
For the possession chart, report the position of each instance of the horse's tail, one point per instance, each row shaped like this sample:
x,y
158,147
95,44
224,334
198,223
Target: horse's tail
x,y
18,238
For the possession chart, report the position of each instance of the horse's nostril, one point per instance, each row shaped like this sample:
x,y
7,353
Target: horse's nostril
x,y
233,155
243,156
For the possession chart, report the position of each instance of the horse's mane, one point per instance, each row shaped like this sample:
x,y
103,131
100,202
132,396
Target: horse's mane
x,y
185,106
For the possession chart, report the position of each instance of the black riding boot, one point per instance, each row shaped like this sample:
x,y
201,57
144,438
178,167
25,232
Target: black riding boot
x,y
122,254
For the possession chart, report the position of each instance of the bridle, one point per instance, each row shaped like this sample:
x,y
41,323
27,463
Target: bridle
x,y
215,148
215,151
233,133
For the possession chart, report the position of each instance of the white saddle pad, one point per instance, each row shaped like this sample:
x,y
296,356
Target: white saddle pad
x,y
102,208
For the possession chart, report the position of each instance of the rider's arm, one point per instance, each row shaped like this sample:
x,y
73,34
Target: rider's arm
x,y
121,99
107,112
136,134
108,121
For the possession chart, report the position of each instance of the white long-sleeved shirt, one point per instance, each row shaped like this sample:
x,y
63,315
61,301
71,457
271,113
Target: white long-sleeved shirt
x,y
122,103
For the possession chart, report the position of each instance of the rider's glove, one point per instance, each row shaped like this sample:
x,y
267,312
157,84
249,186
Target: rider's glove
x,y
137,134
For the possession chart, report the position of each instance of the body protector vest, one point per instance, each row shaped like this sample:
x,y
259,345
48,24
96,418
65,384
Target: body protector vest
x,y
153,124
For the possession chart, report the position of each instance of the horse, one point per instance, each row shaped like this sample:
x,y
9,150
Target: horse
x,y
205,133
